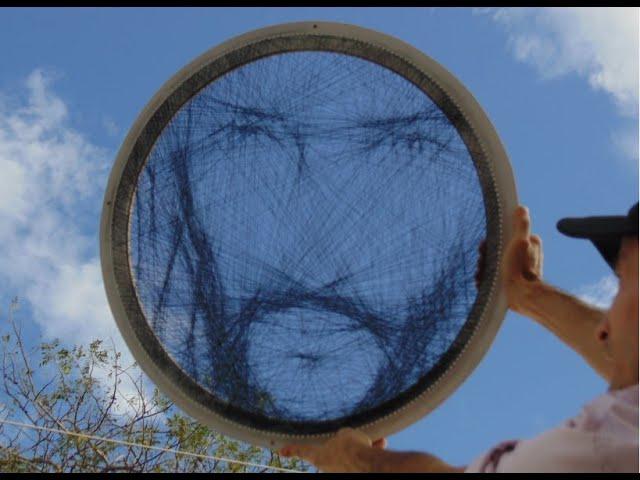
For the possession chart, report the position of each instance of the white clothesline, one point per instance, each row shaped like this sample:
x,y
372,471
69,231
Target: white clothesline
x,y
151,447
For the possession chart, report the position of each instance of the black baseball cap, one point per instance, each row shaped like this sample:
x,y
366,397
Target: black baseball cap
x,y
605,233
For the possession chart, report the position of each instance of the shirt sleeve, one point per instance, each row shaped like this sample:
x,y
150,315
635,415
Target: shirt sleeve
x,y
489,462
563,449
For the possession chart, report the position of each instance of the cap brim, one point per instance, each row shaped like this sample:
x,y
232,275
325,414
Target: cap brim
x,y
594,227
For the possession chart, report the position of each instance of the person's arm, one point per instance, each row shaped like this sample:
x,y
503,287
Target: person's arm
x,y
352,451
569,318
381,461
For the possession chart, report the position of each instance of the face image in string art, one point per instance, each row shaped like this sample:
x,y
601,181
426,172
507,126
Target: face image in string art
x,y
290,234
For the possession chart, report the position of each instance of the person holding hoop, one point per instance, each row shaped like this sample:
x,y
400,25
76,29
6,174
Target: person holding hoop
x,y
604,436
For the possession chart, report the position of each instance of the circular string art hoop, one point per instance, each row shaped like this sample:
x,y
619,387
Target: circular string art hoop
x,y
290,234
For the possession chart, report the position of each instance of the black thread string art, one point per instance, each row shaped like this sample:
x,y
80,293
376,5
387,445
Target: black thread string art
x,y
303,239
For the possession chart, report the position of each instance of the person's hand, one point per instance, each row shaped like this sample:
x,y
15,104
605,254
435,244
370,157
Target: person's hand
x,y
341,453
521,265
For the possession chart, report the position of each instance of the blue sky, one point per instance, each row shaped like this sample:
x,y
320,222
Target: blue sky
x,y
560,86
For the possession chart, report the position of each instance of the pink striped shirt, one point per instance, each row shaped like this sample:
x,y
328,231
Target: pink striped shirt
x,y
602,438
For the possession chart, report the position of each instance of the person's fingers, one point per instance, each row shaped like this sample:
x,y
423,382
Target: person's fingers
x,y
524,260
381,443
351,434
529,259
537,242
521,222
306,452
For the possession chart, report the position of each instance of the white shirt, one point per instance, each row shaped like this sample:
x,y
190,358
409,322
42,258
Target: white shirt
x,y
602,438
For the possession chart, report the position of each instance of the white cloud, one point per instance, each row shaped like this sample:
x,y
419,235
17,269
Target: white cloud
x,y
600,44
49,174
601,293
51,184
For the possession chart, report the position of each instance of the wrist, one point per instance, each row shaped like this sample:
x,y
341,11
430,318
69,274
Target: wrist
x,y
529,295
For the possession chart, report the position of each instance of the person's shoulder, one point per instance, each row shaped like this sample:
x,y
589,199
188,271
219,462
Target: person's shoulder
x,y
627,395
614,413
